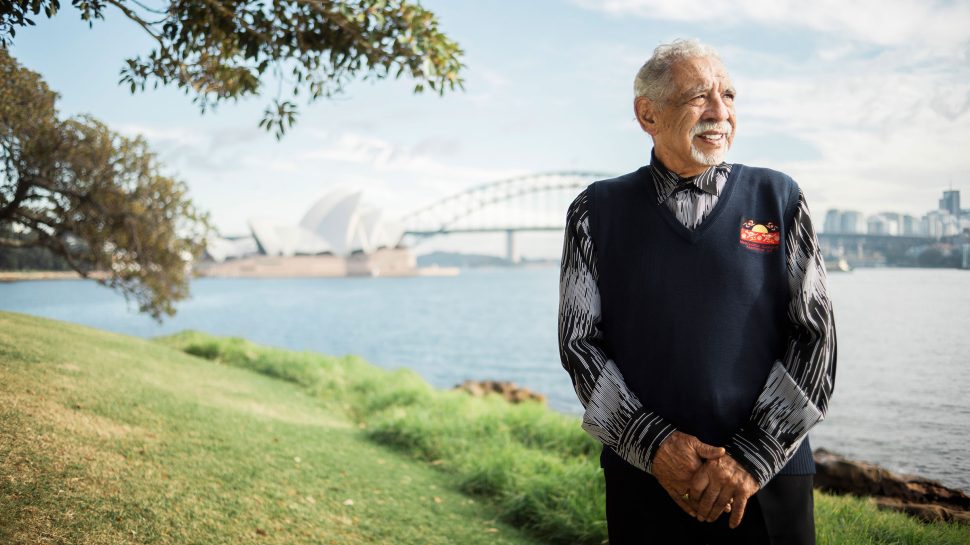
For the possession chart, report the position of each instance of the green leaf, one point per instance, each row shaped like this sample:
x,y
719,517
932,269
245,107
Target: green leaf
x,y
218,54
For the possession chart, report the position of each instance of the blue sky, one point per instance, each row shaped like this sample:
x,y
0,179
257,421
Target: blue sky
x,y
866,104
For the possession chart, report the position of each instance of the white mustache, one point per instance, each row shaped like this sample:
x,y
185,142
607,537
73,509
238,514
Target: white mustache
x,y
704,126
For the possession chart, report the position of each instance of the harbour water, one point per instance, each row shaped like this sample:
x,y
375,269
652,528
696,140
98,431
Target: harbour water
x,y
903,367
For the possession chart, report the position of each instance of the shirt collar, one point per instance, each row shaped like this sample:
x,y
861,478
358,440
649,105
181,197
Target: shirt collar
x,y
666,182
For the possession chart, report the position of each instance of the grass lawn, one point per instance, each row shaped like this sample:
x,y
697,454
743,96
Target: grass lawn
x,y
111,439
196,439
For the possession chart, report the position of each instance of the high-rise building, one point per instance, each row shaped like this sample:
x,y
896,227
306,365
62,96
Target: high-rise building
x,y
940,223
951,202
883,224
853,223
833,222
909,226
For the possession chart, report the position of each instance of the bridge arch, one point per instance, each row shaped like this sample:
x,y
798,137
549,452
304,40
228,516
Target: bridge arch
x,y
533,202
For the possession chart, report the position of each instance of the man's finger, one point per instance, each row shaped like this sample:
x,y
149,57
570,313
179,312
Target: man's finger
x,y
679,500
686,507
721,505
737,512
708,452
700,482
706,503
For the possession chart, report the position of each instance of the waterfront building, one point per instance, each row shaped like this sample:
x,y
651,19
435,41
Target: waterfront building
x,y
853,223
844,222
338,224
909,226
940,223
833,222
883,224
222,248
951,202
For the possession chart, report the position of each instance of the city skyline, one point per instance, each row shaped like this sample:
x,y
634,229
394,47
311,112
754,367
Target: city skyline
x,y
864,120
948,219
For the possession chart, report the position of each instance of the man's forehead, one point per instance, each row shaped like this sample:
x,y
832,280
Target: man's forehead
x,y
700,72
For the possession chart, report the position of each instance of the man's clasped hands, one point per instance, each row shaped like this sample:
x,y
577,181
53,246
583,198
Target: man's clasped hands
x,y
703,479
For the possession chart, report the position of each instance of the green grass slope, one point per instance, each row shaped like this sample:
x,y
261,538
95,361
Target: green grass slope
x,y
109,439
539,467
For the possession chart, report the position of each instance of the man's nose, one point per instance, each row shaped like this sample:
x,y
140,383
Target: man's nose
x,y
717,109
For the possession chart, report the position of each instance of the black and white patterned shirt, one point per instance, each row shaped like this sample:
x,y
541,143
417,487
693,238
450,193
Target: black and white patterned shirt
x,y
796,393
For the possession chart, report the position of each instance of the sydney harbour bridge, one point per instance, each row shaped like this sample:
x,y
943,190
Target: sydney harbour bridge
x,y
530,203
538,202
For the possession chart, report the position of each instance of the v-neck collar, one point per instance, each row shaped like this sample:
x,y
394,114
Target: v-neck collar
x,y
692,235
666,182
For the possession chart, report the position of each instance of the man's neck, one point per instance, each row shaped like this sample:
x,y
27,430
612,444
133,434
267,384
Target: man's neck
x,y
680,168
659,164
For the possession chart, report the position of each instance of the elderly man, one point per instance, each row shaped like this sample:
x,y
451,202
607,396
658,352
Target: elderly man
x,y
695,325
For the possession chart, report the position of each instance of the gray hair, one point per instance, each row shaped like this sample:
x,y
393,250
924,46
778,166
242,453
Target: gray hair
x,y
653,79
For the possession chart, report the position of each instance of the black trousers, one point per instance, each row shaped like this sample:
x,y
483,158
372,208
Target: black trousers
x,y
640,512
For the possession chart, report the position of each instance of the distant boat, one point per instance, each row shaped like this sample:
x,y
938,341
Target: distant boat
x,y
839,264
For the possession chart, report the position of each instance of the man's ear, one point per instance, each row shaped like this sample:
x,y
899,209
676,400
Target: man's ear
x,y
645,110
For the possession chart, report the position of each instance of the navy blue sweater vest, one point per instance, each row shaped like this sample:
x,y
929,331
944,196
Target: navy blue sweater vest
x,y
695,320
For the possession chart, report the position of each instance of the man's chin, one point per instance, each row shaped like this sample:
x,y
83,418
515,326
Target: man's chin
x,y
709,159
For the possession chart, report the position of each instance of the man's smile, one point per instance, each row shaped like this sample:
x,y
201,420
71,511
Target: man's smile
x,y
714,137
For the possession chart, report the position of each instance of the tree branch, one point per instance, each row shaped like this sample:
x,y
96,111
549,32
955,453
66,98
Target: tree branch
x,y
146,8
8,209
83,198
61,248
136,18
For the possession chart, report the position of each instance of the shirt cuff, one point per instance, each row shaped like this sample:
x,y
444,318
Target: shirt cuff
x,y
758,452
644,434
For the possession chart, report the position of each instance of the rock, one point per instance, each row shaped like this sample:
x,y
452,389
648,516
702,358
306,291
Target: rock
x,y
927,512
919,497
508,390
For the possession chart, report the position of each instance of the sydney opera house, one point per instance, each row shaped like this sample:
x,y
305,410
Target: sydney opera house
x,y
338,236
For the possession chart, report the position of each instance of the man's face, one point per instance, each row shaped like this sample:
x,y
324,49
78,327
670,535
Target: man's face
x,y
693,125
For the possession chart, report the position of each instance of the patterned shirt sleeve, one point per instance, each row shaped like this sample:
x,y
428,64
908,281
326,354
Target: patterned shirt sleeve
x,y
613,415
796,394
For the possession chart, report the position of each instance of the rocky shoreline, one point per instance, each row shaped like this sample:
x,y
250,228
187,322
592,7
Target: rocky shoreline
x,y
509,391
922,498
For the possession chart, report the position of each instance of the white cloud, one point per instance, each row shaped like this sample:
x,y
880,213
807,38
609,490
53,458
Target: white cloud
x,y
161,134
880,22
423,158
187,150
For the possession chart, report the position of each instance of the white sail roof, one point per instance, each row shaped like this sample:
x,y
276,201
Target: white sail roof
x,y
338,223
221,249
278,239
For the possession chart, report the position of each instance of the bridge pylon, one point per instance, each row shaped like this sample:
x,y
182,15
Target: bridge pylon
x,y
510,246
